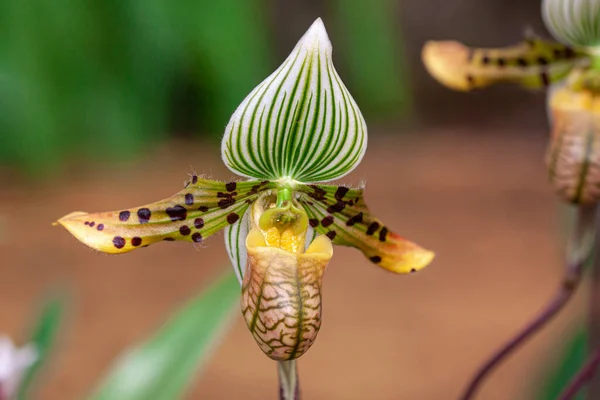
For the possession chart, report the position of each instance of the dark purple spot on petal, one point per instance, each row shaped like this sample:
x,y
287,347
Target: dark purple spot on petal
x,y
199,223
189,199
177,213
92,224
341,192
136,241
86,223
318,194
124,215
100,227
185,230
203,208
169,239
328,220
372,228
195,179
412,271
313,222
230,186
144,215
331,235
232,218
358,218
383,234
197,237
226,202
337,207
375,259
119,242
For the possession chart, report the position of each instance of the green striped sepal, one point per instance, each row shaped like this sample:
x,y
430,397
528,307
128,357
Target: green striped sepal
x,y
573,22
301,123
341,214
201,209
533,63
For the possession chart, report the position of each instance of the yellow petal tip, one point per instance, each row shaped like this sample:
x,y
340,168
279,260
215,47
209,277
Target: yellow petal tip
x,y
446,61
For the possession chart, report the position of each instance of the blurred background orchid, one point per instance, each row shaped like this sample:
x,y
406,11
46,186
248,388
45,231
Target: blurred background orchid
x,y
570,69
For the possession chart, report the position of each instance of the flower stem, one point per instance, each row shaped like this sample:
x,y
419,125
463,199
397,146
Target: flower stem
x,y
283,195
582,377
593,391
289,386
578,252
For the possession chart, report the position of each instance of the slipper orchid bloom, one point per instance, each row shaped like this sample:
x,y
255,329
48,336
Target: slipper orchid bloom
x,y
297,129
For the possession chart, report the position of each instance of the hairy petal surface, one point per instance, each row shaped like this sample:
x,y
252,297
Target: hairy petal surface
x,y
300,123
202,208
533,63
342,215
573,22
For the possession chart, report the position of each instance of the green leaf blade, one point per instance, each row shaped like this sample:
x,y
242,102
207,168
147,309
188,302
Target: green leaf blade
x,y
162,367
43,337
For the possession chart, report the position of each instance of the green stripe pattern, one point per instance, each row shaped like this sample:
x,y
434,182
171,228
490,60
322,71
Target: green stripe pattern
x,y
573,22
300,123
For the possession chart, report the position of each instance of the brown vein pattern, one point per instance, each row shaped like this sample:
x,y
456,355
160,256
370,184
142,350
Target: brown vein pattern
x,y
281,300
573,155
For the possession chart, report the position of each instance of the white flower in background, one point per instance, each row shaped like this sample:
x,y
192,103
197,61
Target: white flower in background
x,y
14,362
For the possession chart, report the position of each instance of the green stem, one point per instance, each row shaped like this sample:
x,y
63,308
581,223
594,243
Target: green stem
x,y
594,316
289,387
283,195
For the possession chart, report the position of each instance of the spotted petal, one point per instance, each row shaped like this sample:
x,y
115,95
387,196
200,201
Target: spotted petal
x,y
300,123
341,214
198,211
573,22
533,63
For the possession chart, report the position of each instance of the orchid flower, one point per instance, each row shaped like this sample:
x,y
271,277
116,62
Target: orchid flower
x,y
14,362
570,68
299,128
573,156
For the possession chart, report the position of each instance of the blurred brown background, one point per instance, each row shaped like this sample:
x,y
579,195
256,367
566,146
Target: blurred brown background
x,y
461,174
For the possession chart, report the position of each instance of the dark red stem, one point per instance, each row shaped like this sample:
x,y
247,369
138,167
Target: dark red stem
x,y
580,248
582,377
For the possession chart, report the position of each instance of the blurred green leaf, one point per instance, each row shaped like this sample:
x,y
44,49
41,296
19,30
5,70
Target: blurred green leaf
x,y
377,74
43,337
162,367
557,376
